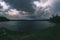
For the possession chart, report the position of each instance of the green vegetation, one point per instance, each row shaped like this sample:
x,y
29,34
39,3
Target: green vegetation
x,y
55,19
52,33
3,18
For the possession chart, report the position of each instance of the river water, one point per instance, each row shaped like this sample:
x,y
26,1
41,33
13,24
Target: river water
x,y
25,25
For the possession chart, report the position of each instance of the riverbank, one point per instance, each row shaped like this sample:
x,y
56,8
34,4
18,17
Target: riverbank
x,y
30,20
52,33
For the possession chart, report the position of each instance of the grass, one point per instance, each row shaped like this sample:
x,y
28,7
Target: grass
x,y
52,33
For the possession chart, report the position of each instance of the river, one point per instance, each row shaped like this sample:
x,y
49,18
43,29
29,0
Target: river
x,y
25,25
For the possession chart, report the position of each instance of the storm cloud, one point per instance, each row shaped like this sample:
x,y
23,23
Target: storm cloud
x,y
24,5
28,6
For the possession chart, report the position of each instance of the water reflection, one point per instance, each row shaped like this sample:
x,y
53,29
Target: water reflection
x,y
25,25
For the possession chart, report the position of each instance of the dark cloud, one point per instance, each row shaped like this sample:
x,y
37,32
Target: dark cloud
x,y
1,7
57,5
24,5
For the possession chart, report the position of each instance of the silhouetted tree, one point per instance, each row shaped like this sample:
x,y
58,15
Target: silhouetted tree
x,y
55,19
3,18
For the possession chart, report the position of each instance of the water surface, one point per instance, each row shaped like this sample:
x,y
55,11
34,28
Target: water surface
x,y
25,25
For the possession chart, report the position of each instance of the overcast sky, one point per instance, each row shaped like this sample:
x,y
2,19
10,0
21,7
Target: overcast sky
x,y
29,9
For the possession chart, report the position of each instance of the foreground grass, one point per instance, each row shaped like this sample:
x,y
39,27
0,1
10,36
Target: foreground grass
x,y
52,33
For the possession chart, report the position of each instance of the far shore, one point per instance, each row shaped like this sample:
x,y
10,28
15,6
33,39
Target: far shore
x,y
31,20
23,20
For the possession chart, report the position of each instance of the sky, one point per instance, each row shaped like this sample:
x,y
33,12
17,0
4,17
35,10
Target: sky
x,y
29,9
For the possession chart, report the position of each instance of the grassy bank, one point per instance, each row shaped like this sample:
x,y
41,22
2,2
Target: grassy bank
x,y
52,33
